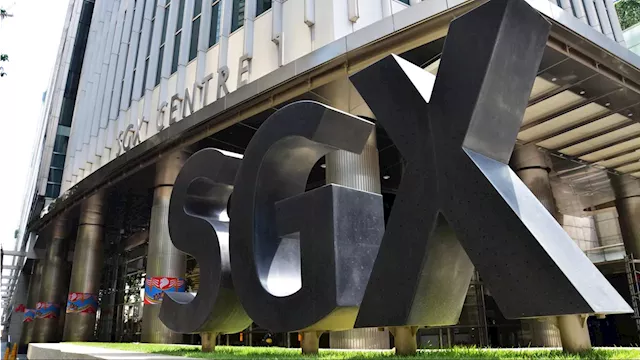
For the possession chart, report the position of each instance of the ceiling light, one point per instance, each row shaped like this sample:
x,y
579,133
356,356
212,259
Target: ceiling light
x,y
607,104
554,79
582,92
324,166
386,177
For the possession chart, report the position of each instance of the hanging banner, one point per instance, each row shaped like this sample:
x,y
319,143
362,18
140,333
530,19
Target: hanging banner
x,y
155,287
29,315
47,310
20,308
82,303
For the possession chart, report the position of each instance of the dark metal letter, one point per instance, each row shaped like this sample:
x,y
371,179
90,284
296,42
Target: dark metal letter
x,y
457,143
339,228
200,195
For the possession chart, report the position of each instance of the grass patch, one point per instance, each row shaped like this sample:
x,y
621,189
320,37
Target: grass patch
x,y
245,352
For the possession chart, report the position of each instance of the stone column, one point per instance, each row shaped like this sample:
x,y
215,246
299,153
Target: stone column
x,y
82,300
570,331
166,265
627,191
54,285
13,329
32,298
360,172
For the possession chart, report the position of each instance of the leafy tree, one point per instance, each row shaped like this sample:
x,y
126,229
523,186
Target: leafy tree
x,y
3,57
628,12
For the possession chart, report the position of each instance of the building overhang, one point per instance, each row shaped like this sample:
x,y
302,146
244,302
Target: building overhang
x,y
577,56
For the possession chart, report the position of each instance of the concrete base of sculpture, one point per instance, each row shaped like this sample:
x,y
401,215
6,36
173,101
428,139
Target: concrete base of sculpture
x,y
55,351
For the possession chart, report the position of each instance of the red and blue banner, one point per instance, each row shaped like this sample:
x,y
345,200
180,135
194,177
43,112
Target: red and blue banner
x,y
155,287
47,310
20,308
29,315
82,303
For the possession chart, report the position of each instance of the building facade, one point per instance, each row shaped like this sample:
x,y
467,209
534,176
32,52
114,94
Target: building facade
x,y
139,85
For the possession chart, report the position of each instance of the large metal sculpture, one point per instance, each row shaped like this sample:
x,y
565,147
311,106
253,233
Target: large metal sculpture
x,y
457,139
198,226
339,228
319,260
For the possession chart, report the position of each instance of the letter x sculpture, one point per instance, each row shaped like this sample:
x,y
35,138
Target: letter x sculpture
x,y
457,139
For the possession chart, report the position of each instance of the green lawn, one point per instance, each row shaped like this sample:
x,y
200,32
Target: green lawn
x,y
242,352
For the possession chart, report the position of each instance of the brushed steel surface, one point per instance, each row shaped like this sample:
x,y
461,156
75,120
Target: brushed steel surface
x,y
87,266
362,172
357,171
457,141
529,156
197,226
54,283
540,333
532,166
365,338
627,192
339,228
163,259
629,218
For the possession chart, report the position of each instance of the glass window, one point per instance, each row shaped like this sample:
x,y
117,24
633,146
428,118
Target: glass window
x,y
197,7
163,35
57,161
262,6
144,77
159,69
195,34
176,52
214,30
131,89
60,144
66,114
55,175
150,36
180,15
237,17
53,191
404,1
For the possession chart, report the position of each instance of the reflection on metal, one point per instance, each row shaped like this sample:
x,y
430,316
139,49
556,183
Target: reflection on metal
x,y
54,284
361,172
86,270
357,171
269,189
163,259
457,142
627,190
532,167
197,227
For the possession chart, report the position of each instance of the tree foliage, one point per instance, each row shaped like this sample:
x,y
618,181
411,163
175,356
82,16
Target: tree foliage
x,y
3,57
628,12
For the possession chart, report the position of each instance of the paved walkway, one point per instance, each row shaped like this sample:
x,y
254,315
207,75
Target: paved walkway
x,y
71,351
